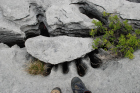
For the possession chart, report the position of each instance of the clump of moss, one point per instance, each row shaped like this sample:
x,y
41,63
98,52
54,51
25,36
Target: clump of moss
x,y
117,36
35,67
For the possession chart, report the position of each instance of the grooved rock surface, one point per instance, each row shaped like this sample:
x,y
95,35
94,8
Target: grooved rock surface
x,y
126,9
18,17
56,50
9,31
64,21
120,76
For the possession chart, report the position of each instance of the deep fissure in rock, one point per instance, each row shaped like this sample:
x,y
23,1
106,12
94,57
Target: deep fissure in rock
x,y
43,30
137,1
31,33
89,10
73,33
20,43
81,67
94,60
30,30
65,67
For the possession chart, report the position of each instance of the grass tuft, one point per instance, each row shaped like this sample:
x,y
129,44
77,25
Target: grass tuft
x,y
35,67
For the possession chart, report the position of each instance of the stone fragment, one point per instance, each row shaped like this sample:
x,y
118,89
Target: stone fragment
x,y
59,49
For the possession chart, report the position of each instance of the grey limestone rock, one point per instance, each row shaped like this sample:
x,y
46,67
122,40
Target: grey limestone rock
x,y
91,10
56,50
64,21
120,76
127,10
3,46
19,17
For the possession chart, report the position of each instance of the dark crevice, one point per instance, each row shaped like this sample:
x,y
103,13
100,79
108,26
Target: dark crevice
x,y
89,10
65,67
137,1
43,30
56,67
32,33
47,69
73,33
42,24
20,43
94,60
81,67
40,28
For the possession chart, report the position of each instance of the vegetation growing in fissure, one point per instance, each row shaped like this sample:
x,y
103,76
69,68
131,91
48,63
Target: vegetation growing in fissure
x,y
35,67
118,36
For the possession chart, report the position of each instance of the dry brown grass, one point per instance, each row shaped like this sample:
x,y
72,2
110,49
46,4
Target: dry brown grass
x,y
35,67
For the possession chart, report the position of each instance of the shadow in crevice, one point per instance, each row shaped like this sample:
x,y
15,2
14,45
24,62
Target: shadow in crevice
x,y
43,25
32,33
89,9
81,67
39,29
137,1
94,60
20,43
65,67
43,30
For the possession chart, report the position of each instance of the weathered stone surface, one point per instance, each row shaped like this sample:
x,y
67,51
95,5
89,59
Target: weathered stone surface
x,y
91,10
3,46
63,18
64,21
120,76
126,9
129,10
16,9
10,32
10,38
17,19
58,49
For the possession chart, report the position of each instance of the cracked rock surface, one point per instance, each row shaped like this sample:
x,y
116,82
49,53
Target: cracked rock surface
x,y
59,49
126,9
18,21
18,17
120,76
64,21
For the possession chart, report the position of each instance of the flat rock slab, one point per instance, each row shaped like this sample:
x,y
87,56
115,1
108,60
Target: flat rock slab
x,y
56,50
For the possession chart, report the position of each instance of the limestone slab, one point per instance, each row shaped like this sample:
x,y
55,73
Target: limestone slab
x,y
58,49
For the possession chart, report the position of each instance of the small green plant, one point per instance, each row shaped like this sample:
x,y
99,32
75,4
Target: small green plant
x,y
137,31
119,34
35,67
105,14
